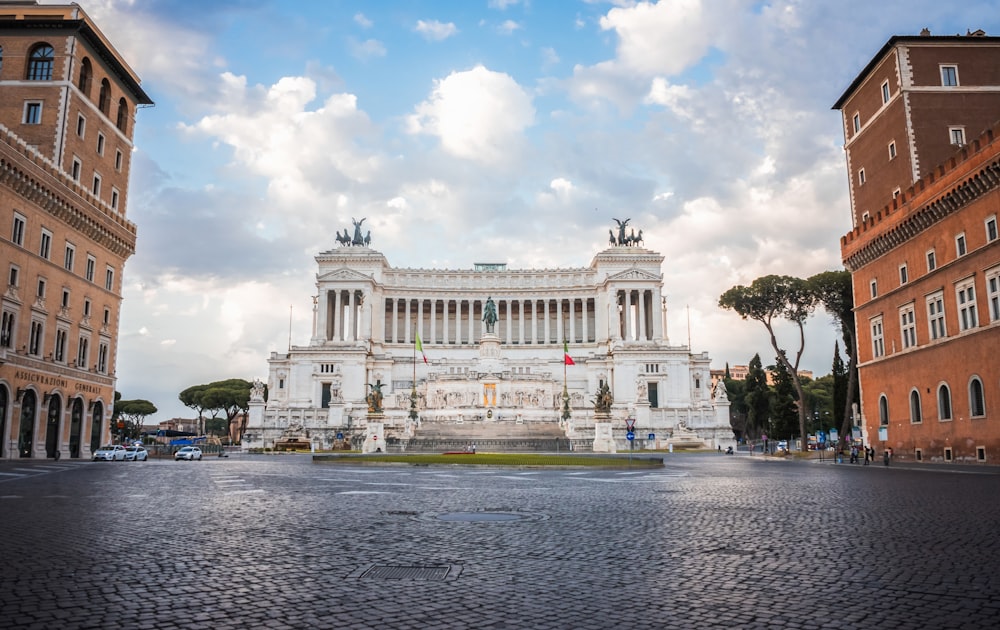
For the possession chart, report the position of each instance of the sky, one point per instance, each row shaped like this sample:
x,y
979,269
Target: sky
x,y
472,131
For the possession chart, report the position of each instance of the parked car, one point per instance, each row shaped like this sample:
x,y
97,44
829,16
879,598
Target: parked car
x,y
136,453
110,453
189,453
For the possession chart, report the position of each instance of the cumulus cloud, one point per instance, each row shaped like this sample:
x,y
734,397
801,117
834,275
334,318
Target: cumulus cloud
x,y
477,114
362,21
435,31
367,49
508,27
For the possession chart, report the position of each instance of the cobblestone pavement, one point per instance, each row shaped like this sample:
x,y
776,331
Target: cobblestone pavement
x,y
709,541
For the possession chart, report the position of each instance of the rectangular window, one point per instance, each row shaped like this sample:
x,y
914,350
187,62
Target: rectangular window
x,y
861,177
993,293
102,358
45,246
935,315
931,261
957,135
91,263
896,193
13,277
885,92
35,339
100,144
874,288
76,169
114,199
40,292
878,343
86,308
949,76
118,160
903,275
81,125
96,188
82,352
960,245
892,150
7,330
107,316
65,298
17,232
33,113
908,326
857,123
70,257
991,229
109,279
965,294
59,351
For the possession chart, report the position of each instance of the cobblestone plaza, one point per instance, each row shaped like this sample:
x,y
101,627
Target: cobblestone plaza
x,y
708,541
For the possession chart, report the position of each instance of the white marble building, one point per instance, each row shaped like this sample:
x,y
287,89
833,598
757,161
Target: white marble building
x,y
611,315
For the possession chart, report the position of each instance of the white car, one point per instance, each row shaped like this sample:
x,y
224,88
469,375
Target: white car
x,y
136,453
189,453
110,453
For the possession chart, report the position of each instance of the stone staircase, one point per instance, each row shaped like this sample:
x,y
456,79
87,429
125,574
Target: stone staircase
x,y
494,437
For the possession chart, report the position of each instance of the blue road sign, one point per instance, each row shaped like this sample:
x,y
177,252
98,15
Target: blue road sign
x,y
652,436
340,436
630,436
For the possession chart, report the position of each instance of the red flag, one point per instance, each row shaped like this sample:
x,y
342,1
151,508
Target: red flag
x,y
568,360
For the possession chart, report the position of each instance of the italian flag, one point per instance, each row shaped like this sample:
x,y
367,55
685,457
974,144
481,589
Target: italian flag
x,y
568,360
420,348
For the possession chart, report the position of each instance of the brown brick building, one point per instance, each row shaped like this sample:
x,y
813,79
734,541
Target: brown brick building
x,y
923,155
67,113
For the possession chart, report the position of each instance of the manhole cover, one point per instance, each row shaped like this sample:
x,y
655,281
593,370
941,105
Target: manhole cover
x,y
479,517
395,572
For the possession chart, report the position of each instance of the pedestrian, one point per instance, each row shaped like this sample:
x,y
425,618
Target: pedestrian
x,y
854,454
885,457
868,455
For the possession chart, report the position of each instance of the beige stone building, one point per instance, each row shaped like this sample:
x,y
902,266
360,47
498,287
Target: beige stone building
x,y
68,104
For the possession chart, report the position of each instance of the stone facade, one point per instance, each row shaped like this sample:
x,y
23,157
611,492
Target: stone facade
x,y
67,114
475,382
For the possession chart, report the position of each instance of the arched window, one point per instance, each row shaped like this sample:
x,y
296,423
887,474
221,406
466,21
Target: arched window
x,y
104,100
977,403
86,77
944,402
915,413
883,411
122,121
40,63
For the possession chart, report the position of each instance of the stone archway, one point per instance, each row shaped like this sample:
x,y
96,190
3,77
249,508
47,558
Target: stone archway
x,y
96,422
26,428
4,400
53,426
76,428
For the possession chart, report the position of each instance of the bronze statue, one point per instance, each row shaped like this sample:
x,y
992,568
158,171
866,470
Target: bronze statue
x,y
602,403
490,314
374,397
358,239
622,239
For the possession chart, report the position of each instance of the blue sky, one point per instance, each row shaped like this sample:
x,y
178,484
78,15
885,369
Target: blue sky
x,y
480,131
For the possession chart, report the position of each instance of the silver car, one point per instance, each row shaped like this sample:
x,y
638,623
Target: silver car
x,y
189,453
110,453
136,453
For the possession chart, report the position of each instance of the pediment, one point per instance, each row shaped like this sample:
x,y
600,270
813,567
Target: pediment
x,y
634,274
344,275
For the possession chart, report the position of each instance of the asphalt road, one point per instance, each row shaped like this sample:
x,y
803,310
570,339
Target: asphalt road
x,y
709,541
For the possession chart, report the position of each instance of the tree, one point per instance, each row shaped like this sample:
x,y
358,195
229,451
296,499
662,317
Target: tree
x,y
192,397
757,398
839,375
229,397
835,291
737,406
784,404
777,297
132,413
819,402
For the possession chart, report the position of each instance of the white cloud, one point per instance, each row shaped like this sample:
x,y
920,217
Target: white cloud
x,y
367,49
477,114
661,38
508,27
501,4
362,21
435,31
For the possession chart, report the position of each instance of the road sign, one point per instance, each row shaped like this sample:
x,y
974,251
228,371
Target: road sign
x,y
629,423
630,436
340,436
652,436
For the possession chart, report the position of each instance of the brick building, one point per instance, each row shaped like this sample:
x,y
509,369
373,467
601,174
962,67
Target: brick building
x,y
67,112
922,143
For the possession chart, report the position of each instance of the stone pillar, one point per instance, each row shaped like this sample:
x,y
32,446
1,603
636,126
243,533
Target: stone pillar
x,y
444,320
628,315
395,320
409,322
560,330
433,319
586,311
420,318
642,315
545,331
520,322
572,320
